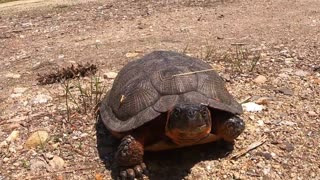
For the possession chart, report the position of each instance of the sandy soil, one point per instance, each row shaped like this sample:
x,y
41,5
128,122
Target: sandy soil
x,y
284,36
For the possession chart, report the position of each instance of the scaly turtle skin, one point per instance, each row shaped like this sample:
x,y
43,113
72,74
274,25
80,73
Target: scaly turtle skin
x,y
154,105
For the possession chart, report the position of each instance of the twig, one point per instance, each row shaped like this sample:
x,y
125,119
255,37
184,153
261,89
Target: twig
x,y
249,148
194,72
238,44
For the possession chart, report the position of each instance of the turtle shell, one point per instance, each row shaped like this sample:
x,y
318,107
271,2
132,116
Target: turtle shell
x,y
154,84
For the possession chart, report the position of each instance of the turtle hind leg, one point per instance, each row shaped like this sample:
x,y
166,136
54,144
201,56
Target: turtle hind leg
x,y
129,157
230,128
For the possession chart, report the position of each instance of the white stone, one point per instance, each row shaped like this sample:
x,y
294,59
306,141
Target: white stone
x,y
260,79
12,75
110,75
252,107
41,99
19,90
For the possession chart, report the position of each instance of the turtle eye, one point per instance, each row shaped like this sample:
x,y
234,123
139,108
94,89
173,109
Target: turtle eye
x,y
176,112
204,111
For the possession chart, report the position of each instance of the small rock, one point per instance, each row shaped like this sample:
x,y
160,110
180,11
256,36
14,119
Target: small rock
x,y
236,176
12,150
260,79
312,113
12,75
15,95
283,75
56,163
3,144
110,75
37,165
260,123
288,123
61,56
6,159
36,65
13,126
37,138
285,91
287,146
263,100
49,156
226,77
263,54
266,155
288,60
266,170
84,135
286,70
55,146
252,107
41,99
301,73
19,90
13,136
131,54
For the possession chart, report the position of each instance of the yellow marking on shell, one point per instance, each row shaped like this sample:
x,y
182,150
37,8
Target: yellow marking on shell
x,y
122,98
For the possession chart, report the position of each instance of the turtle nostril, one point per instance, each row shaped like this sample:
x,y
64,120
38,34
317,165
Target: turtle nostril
x,y
192,113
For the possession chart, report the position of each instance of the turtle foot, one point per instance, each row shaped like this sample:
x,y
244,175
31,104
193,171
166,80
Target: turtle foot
x,y
231,128
129,158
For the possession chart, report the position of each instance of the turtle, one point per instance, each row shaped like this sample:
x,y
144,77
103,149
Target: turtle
x,y
167,100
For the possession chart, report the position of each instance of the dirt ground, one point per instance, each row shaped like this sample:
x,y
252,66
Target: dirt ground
x,y
281,71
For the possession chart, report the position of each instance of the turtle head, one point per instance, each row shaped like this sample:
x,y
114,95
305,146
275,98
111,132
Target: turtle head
x,y
188,123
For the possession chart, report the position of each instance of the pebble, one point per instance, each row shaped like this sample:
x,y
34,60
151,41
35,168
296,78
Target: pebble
x,y
260,122
49,156
131,54
286,70
61,56
37,138
285,91
287,146
19,90
288,60
252,107
263,100
301,73
288,123
266,155
266,170
15,95
41,99
12,75
3,144
312,113
57,163
110,75
13,136
283,75
260,79
5,159
37,165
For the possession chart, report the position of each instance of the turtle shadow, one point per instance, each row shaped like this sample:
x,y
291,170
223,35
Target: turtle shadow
x,y
177,164
172,164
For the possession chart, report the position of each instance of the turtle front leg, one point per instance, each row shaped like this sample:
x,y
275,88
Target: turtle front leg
x,y
230,128
129,157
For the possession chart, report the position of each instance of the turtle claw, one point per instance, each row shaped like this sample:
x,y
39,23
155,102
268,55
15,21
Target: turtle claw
x,y
135,172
